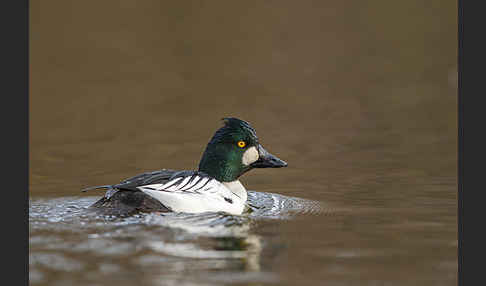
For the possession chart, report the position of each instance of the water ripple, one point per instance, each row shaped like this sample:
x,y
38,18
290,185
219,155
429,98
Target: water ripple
x,y
67,238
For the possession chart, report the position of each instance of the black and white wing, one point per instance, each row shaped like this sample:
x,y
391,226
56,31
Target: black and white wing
x,y
185,182
155,177
131,184
194,192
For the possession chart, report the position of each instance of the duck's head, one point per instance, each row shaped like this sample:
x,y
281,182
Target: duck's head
x,y
234,150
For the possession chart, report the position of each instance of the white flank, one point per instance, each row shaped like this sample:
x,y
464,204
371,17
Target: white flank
x,y
250,156
193,198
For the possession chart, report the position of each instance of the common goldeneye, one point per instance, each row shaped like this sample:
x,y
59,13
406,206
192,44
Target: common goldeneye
x,y
232,151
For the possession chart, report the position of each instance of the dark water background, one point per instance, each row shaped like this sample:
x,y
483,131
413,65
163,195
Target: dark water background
x,y
360,98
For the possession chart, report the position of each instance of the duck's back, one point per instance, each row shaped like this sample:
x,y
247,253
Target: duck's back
x,y
125,199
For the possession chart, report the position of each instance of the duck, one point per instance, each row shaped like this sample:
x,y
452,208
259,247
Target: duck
x,y
233,150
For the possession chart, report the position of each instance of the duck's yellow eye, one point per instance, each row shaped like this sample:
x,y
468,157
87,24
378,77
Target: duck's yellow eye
x,y
241,144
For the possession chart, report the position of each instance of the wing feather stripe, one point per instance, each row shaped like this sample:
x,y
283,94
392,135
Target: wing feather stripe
x,y
191,178
173,182
183,182
207,182
199,179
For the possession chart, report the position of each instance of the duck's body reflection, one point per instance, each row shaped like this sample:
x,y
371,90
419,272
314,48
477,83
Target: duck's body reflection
x,y
216,236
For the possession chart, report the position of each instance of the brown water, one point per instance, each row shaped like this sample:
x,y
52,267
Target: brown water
x,y
358,97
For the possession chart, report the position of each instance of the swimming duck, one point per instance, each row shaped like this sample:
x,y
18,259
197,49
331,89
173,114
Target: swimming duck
x,y
232,151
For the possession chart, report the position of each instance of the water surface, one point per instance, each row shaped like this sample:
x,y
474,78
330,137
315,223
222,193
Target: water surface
x,y
360,98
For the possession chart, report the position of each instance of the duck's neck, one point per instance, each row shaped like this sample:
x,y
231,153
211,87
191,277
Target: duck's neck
x,y
221,163
237,188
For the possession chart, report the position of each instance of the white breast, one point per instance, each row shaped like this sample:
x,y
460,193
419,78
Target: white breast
x,y
202,194
237,188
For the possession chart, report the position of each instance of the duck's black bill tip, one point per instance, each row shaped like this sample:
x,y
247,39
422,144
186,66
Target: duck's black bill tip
x,y
267,160
269,163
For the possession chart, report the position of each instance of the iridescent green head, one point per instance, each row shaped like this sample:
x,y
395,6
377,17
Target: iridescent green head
x,y
234,150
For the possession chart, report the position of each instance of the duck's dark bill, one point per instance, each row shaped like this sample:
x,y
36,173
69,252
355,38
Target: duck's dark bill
x,y
267,160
